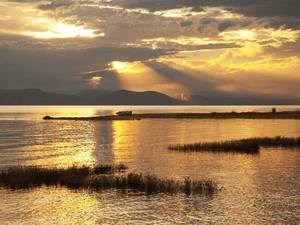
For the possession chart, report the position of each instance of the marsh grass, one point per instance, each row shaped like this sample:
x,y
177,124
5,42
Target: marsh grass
x,y
17,177
105,169
83,177
250,146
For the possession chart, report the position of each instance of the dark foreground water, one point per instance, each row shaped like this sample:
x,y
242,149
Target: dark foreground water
x,y
256,189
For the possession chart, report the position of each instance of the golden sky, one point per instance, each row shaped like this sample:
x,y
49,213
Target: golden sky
x,y
210,47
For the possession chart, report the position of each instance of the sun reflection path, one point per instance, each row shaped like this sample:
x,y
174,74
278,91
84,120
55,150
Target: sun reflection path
x,y
122,141
62,143
50,206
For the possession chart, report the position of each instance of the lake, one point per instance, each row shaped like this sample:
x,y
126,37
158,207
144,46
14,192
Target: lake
x,y
259,188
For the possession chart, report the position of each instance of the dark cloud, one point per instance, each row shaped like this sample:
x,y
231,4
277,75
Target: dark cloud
x,y
287,23
275,8
254,8
56,4
157,5
208,27
186,23
207,21
109,79
225,25
42,68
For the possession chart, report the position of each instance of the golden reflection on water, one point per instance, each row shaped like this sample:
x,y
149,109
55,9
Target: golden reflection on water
x,y
122,137
49,206
103,141
65,143
77,112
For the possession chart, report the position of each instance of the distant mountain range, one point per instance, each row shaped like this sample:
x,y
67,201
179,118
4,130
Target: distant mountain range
x,y
125,97
86,97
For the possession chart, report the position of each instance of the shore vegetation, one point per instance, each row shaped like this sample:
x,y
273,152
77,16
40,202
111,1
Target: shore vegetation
x,y
250,145
99,178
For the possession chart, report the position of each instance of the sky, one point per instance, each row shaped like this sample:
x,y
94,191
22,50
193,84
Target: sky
x,y
177,47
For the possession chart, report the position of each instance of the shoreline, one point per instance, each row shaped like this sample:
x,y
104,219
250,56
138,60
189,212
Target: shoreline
x,y
212,115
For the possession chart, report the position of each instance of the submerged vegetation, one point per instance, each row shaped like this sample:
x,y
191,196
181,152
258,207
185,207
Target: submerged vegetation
x,y
250,145
99,178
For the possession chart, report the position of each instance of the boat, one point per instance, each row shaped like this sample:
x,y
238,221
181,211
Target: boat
x,y
124,113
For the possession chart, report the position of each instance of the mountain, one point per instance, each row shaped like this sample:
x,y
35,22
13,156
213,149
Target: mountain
x,y
86,97
37,97
260,100
125,97
93,93
253,99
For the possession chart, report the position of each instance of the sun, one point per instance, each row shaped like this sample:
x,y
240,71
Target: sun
x,y
61,30
125,67
119,65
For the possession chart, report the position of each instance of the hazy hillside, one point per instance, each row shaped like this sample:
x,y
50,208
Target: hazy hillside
x,y
125,97
37,97
93,93
87,97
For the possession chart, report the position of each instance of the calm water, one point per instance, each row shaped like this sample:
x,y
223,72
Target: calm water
x,y
257,189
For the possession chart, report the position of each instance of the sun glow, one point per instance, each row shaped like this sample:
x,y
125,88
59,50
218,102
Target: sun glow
x,y
95,81
239,35
124,67
64,31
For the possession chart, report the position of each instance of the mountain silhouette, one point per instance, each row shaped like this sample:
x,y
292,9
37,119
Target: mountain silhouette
x,y
86,97
125,97
37,97
93,93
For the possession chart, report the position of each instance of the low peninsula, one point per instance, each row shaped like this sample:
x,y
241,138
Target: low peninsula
x,y
212,115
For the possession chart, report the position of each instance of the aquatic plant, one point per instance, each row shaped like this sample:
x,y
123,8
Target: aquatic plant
x,y
250,145
83,177
15,177
103,169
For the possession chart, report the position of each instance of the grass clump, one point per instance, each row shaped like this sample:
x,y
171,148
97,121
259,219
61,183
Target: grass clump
x,y
241,146
17,177
98,178
250,145
105,169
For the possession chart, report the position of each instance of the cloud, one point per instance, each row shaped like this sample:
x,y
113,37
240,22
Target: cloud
x,y
50,68
186,23
225,25
256,8
156,5
192,45
56,4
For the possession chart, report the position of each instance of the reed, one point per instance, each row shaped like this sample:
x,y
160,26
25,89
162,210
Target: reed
x,y
250,145
105,169
75,177
16,177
